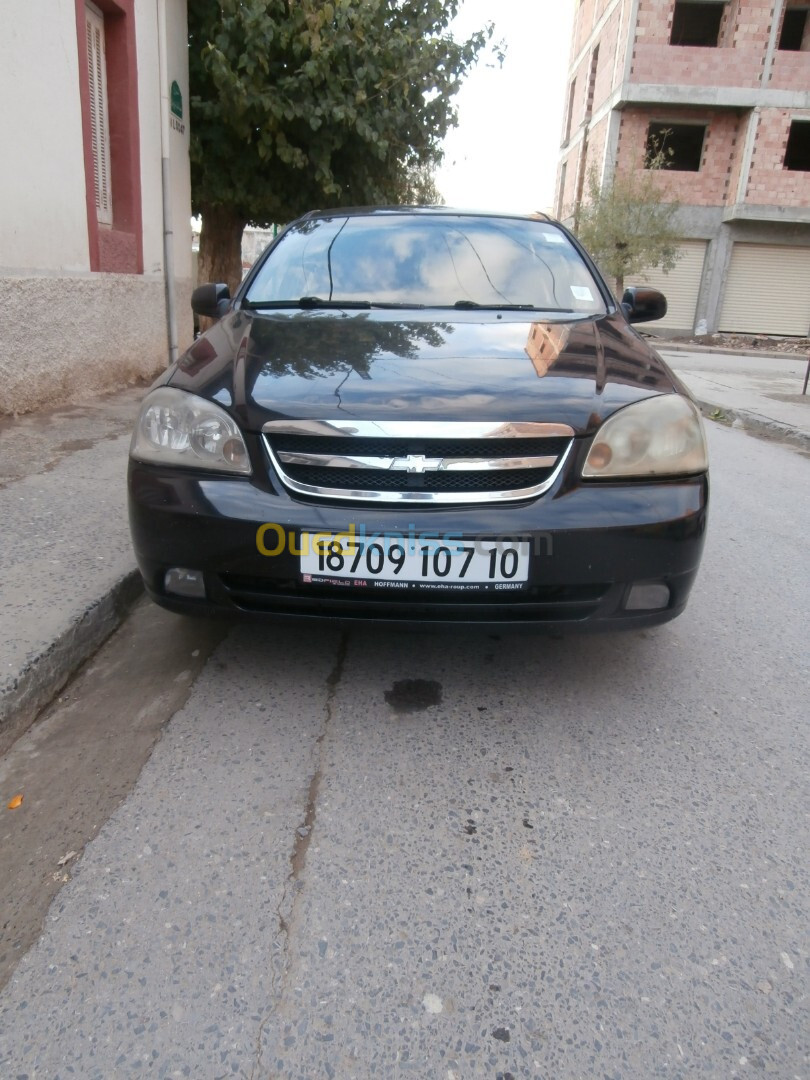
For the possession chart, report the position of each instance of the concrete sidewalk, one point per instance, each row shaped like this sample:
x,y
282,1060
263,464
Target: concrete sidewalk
x,y
67,572
762,394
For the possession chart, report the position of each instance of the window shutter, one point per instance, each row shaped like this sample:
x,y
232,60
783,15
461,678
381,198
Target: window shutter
x,y
99,120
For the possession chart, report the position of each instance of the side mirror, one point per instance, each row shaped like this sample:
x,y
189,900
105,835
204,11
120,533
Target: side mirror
x,y
643,305
211,301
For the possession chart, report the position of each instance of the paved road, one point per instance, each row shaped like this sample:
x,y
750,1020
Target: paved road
x,y
558,859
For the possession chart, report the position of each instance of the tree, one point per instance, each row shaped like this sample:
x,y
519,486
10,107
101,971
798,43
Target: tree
x,y
629,223
418,186
297,104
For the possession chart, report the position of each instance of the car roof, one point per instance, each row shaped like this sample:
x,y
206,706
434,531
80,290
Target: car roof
x,y
425,211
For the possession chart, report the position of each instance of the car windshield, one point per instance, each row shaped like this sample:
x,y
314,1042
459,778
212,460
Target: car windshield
x,y
410,260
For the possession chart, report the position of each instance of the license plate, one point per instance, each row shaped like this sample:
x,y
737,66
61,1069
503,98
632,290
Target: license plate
x,y
413,562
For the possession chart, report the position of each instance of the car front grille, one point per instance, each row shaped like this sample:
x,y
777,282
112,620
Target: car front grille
x,y
417,461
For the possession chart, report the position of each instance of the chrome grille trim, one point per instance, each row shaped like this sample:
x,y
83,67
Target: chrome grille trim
x,y
419,429
326,461
419,433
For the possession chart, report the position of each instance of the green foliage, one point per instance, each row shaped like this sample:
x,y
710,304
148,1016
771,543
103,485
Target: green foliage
x,y
628,225
297,104
418,186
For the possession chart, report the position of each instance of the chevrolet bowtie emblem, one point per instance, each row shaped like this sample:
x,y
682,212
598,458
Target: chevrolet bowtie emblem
x,y
417,463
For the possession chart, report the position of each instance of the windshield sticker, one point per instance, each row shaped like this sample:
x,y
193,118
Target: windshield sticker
x,y
581,292
554,237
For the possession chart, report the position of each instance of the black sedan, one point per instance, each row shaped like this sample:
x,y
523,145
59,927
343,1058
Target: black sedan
x,y
422,415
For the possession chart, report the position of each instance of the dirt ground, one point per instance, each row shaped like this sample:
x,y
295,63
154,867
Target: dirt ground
x,y
744,342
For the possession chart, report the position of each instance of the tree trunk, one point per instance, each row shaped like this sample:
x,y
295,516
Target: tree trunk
x,y
220,258
618,290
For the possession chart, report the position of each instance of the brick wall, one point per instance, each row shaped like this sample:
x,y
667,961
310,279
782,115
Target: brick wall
x,y
611,55
712,185
790,71
584,19
737,61
596,144
594,156
738,160
769,183
654,22
582,74
580,91
567,195
752,24
610,63
745,23
681,65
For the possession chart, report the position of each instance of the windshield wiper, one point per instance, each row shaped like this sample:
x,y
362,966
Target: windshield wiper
x,y
318,302
471,305
305,302
314,302
396,305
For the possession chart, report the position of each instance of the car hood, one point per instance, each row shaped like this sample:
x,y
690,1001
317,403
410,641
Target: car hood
x,y
377,365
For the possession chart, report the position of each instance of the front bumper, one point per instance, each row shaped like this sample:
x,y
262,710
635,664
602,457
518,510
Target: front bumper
x,y
590,543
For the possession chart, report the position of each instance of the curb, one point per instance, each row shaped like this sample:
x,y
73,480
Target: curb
x,y
664,345
44,675
754,424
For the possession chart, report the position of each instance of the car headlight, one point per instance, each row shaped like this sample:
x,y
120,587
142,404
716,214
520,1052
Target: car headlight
x,y
660,436
177,428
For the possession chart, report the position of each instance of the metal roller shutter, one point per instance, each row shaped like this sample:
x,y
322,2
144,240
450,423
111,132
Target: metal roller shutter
x,y
767,290
680,286
99,119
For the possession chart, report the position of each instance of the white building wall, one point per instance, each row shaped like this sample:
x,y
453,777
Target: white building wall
x,y
69,333
146,43
149,107
177,33
43,223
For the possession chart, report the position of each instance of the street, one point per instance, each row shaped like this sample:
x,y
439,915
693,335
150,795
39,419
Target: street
x,y
451,855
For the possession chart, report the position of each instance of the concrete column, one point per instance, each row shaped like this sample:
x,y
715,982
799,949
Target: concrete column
x,y
748,153
710,297
632,26
776,22
611,148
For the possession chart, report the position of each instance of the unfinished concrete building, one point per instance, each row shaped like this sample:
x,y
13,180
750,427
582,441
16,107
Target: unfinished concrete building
x,y
725,86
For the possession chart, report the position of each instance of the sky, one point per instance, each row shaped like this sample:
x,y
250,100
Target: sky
x,y
503,154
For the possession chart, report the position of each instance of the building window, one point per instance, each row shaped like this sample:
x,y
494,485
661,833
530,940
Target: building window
x,y
571,92
108,92
592,81
681,144
696,23
793,30
99,111
561,196
797,152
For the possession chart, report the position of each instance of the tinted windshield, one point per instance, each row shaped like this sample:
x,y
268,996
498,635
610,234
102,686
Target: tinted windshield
x,y
432,261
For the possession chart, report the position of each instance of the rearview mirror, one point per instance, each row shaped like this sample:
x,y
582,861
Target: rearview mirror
x,y
211,301
643,305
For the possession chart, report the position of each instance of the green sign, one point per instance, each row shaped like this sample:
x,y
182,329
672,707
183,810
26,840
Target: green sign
x,y
177,101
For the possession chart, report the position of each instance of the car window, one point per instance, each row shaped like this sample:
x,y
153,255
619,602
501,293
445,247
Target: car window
x,y
440,261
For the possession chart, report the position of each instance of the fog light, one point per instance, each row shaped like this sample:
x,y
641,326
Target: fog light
x,y
650,597
183,582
